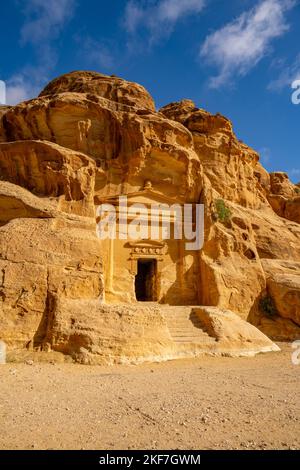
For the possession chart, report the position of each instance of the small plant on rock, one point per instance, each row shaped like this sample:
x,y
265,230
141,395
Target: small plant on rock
x,y
267,306
223,212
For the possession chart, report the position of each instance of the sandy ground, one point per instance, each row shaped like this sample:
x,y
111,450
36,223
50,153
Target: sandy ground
x,y
204,403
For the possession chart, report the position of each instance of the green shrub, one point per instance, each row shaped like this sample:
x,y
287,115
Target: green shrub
x,y
268,307
223,212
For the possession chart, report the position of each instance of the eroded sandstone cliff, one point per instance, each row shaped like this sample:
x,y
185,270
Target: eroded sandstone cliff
x,y
233,267
88,136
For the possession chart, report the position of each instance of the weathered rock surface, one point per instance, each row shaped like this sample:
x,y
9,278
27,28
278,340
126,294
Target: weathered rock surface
x,y
232,275
284,197
104,334
46,248
112,88
127,144
89,136
92,333
277,313
3,110
285,290
42,258
233,335
230,165
51,171
17,203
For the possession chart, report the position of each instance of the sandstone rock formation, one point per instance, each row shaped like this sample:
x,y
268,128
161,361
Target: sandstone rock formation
x,y
89,138
233,252
233,335
279,317
3,110
112,88
100,334
284,197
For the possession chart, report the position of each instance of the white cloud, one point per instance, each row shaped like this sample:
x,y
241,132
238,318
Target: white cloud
x,y
28,82
134,16
238,47
288,74
43,22
45,19
173,10
265,155
294,175
95,52
19,89
160,17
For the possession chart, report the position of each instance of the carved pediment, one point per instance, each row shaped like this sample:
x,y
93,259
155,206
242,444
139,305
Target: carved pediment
x,y
145,196
146,248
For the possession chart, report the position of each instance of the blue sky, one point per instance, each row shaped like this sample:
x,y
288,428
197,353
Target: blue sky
x,y
236,57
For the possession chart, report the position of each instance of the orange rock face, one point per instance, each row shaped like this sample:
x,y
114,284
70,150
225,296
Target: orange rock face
x,y
230,165
232,275
3,110
48,170
112,88
88,137
284,197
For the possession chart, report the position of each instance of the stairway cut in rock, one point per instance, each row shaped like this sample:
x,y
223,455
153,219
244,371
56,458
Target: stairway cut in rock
x,y
185,326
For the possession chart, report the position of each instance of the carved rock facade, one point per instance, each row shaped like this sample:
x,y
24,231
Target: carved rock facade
x,y
89,139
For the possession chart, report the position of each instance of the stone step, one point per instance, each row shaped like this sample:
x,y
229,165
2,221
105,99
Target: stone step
x,y
185,332
184,326
187,322
202,341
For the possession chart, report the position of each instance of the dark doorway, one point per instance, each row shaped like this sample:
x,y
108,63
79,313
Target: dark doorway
x,y
145,280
